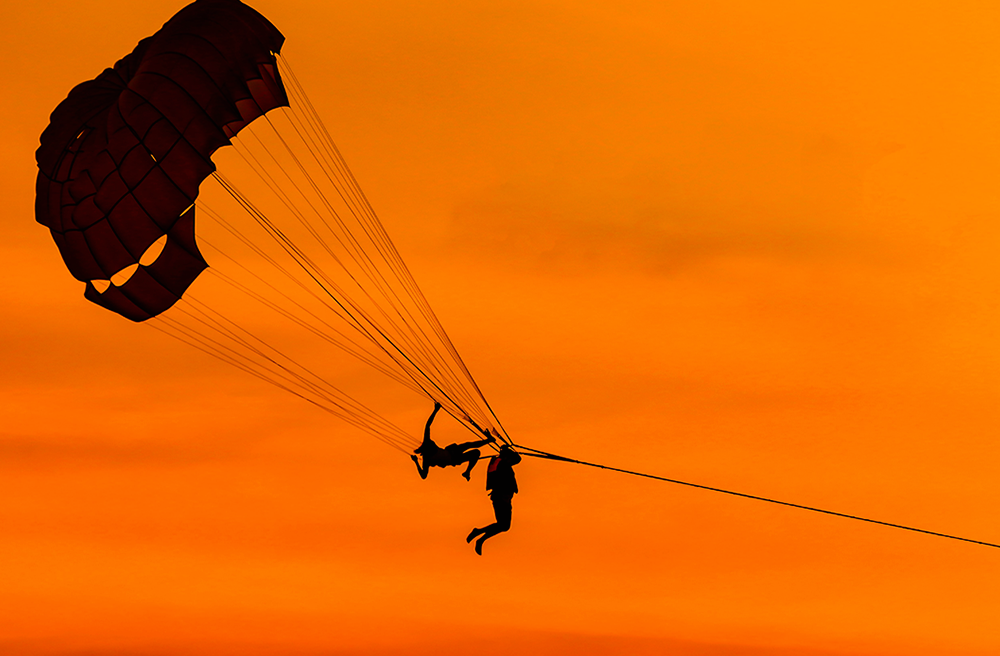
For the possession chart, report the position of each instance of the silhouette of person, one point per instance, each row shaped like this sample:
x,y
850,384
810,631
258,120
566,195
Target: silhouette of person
x,y
431,455
502,486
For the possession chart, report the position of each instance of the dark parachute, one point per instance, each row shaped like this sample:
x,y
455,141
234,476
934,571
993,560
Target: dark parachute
x,y
127,158
121,161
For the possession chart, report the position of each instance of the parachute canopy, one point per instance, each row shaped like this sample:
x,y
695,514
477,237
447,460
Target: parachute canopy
x,y
125,163
122,159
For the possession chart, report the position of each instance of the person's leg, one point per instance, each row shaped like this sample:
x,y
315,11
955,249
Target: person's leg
x,y
465,446
422,470
488,532
503,511
472,457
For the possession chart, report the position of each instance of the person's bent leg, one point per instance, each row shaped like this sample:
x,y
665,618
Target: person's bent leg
x,y
503,511
485,535
465,446
472,457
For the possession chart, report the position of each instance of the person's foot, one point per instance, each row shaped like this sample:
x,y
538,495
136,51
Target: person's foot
x,y
479,545
420,470
467,475
472,536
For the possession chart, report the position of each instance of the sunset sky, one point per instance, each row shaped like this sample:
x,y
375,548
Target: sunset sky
x,y
752,245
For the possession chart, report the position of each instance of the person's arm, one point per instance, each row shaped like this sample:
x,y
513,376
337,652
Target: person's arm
x,y
430,420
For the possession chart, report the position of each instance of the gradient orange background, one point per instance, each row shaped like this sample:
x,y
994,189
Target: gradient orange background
x,y
752,245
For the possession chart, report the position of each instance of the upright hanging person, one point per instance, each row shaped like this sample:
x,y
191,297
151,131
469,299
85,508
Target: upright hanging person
x,y
502,486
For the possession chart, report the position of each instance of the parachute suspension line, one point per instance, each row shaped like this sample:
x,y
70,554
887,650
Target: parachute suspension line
x,y
355,252
303,261
357,203
359,354
309,267
198,343
330,170
320,386
384,243
388,250
273,262
177,332
369,268
366,219
356,415
315,235
307,124
414,343
365,211
299,255
535,453
225,332
239,353
344,342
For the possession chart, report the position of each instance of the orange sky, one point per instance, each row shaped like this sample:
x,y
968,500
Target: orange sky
x,y
751,245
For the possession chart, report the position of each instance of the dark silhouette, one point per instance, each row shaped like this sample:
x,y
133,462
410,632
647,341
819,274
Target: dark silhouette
x,y
182,93
502,486
431,455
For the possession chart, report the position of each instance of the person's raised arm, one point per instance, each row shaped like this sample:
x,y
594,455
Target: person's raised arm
x,y
430,420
